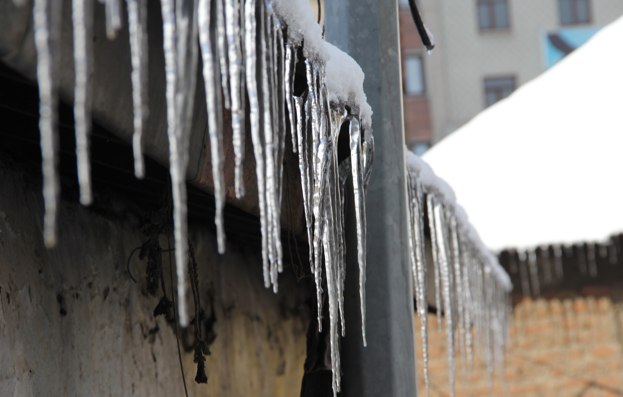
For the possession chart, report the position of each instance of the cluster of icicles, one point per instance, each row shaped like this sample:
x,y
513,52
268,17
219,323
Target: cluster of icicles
x,y
244,49
469,288
544,264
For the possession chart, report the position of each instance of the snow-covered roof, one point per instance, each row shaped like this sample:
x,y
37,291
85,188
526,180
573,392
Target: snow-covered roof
x,y
542,166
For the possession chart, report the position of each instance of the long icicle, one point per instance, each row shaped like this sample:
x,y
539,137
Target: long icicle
x,y
47,19
421,268
458,286
215,119
251,69
357,176
444,267
82,16
137,25
319,161
233,29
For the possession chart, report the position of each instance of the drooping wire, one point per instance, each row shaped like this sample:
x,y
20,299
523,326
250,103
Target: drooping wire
x,y
319,12
417,18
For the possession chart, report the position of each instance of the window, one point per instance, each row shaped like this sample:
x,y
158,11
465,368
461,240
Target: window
x,y
414,75
403,3
493,14
498,89
574,11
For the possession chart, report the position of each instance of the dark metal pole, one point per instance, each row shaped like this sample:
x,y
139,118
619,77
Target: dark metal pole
x,y
368,31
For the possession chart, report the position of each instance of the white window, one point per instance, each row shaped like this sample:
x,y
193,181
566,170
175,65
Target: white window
x,y
414,75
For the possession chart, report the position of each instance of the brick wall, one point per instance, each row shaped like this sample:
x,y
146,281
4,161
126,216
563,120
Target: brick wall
x,y
570,347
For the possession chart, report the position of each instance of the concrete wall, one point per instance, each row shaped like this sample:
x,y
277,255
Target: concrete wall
x,y
464,55
72,323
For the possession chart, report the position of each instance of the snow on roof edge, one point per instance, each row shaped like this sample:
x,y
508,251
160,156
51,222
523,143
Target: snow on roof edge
x,y
344,76
446,195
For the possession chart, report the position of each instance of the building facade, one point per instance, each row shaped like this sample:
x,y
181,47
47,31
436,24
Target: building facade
x,y
485,50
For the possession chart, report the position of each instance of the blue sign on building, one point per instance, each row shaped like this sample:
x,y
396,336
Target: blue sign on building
x,y
560,43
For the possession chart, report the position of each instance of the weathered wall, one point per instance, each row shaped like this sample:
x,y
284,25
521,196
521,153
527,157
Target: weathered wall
x,y
72,323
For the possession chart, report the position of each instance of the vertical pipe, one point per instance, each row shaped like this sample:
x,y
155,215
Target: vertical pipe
x,y
387,366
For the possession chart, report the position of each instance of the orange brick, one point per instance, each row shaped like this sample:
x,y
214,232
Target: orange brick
x,y
610,381
579,306
573,384
522,390
603,351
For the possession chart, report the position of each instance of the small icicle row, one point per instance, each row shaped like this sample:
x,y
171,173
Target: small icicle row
x,y
472,296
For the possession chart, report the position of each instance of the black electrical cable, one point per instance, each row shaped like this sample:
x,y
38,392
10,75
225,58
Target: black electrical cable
x,y
417,18
319,11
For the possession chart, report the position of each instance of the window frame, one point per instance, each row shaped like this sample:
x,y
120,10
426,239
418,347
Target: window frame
x,y
406,92
493,26
487,89
575,20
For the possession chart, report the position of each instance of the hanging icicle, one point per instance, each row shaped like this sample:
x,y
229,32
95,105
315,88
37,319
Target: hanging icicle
x,y
82,18
137,25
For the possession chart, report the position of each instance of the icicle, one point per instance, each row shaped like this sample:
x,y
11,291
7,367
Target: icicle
x,y
113,18
82,17
468,305
592,262
512,262
234,28
280,130
290,70
444,267
319,164
558,261
368,160
487,306
304,171
252,61
137,24
430,205
357,176
603,251
582,260
47,20
344,173
547,266
221,43
568,251
267,76
534,274
457,285
612,253
335,357
337,116
180,32
421,268
215,120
